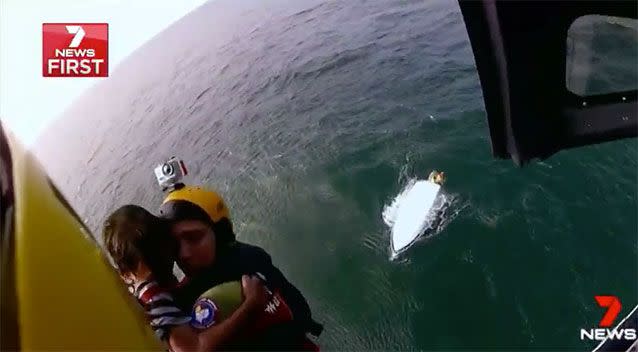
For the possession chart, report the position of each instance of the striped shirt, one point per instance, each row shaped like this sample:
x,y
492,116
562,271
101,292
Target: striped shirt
x,y
160,308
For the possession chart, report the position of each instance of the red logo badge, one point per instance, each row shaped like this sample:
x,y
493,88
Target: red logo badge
x,y
605,330
612,303
75,49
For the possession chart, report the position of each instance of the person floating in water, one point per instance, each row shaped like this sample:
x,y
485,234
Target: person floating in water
x,y
437,177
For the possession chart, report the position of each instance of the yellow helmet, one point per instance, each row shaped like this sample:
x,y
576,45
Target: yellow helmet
x,y
209,201
197,203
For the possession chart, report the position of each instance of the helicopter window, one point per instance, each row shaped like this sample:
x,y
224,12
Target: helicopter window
x,y
602,52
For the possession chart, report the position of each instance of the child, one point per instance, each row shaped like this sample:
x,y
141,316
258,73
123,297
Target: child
x,y
143,253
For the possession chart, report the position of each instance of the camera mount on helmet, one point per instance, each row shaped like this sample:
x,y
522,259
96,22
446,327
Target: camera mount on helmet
x,y
170,174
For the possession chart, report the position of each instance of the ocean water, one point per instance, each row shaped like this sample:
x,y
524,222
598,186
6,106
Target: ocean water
x,y
310,117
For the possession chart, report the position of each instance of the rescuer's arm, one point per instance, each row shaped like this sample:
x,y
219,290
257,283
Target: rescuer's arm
x,y
184,338
294,298
173,326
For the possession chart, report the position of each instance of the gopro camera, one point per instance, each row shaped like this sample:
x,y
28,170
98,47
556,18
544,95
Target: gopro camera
x,y
170,174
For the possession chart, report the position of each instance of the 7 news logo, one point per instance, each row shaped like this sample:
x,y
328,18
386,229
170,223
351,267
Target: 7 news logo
x,y
612,303
75,50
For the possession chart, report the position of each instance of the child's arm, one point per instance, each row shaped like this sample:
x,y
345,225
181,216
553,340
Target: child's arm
x,y
173,326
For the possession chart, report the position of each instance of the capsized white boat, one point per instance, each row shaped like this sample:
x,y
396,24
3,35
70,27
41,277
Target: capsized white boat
x,y
413,213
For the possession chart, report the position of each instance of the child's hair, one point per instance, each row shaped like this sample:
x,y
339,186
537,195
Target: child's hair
x,y
132,235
